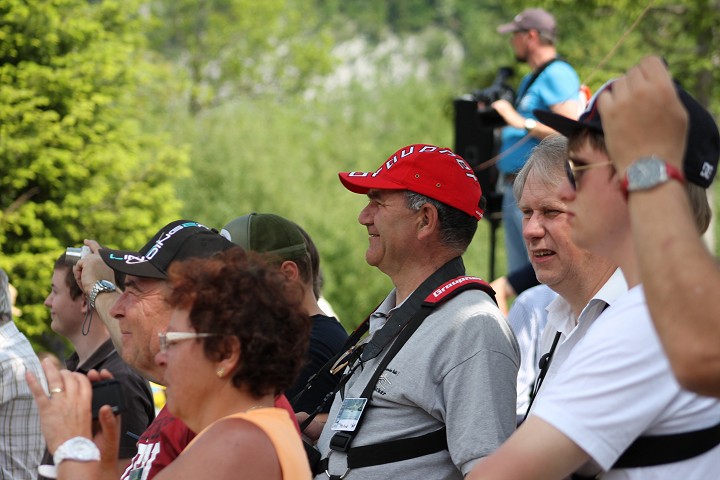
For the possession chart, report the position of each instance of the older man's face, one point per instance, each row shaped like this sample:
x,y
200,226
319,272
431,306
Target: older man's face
x,y
557,261
391,228
142,312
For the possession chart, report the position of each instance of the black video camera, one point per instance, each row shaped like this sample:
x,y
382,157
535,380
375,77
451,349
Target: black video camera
x,y
499,90
107,392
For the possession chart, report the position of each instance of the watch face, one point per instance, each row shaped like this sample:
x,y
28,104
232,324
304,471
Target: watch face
x,y
106,285
646,173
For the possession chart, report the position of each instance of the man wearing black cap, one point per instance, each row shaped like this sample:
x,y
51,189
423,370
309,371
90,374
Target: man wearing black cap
x,y
614,406
427,404
648,118
135,317
552,85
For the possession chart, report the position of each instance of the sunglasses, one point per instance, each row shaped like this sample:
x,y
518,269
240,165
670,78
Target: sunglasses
x,y
574,172
171,338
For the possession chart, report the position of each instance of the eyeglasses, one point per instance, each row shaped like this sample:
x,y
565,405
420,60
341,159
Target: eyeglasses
x,y
171,338
574,174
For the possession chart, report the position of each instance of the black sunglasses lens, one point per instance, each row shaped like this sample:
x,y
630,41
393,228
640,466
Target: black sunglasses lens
x,y
570,175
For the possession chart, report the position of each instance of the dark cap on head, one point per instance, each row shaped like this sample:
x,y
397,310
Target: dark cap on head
x,y
175,241
435,172
267,233
531,19
703,143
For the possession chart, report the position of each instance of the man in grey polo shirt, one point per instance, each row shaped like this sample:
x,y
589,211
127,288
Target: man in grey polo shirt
x,y
456,373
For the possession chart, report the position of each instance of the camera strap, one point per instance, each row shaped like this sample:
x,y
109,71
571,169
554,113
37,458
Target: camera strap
x,y
534,77
544,365
348,355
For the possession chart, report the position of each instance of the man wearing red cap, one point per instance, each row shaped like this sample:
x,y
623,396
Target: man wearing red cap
x,y
454,377
551,85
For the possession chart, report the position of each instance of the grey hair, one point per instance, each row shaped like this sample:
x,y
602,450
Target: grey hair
x,y
457,228
547,160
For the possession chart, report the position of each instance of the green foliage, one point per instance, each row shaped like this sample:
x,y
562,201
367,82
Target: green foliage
x,y
86,107
283,158
260,154
74,160
230,48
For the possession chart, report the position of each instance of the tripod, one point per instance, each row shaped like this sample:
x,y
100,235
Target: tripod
x,y
478,143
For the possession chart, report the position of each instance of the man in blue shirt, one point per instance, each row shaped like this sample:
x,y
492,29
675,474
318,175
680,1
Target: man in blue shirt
x,y
552,85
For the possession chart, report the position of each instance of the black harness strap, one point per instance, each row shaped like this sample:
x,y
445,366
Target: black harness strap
x,y
651,451
661,449
395,450
406,448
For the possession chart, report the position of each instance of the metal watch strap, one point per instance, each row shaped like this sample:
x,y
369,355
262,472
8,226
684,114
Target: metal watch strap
x,y
99,287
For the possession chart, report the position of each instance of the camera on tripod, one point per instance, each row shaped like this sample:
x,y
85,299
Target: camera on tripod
x,y
478,139
499,90
477,135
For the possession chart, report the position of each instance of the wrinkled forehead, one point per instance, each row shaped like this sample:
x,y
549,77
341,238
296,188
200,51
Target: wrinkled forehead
x,y
148,287
380,193
540,193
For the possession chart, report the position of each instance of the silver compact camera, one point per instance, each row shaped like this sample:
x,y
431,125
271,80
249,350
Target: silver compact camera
x,y
73,254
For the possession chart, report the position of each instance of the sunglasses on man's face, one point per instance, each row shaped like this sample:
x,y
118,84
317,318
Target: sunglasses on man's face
x,y
574,171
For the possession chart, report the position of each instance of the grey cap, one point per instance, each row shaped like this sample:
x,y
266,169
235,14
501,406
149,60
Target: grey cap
x,y
531,19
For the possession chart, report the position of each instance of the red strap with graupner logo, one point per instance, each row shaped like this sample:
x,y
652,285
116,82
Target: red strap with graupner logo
x,y
457,285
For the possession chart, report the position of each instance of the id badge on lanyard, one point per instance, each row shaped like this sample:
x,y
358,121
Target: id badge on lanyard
x,y
349,414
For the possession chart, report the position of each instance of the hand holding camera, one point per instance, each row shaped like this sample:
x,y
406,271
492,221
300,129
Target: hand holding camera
x,y
74,254
67,412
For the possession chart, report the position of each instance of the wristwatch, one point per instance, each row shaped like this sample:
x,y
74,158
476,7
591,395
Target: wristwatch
x,y
100,287
649,172
80,449
530,124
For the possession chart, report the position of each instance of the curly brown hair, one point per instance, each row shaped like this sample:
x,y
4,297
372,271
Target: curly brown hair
x,y
238,294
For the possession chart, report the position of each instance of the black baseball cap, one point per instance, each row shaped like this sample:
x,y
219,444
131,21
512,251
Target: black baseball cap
x,y
703,142
175,241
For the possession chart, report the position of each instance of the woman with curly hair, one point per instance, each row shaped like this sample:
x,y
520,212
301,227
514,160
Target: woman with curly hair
x,y
236,338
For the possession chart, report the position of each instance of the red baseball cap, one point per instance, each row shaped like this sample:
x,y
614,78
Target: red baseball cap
x,y
435,172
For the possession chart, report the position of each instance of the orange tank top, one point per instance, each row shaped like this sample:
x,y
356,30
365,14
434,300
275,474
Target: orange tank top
x,y
276,424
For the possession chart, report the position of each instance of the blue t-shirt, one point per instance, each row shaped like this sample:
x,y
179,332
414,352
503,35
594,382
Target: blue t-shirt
x,y
556,84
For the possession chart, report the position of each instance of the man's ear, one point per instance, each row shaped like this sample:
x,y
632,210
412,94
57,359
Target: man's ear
x,y
84,305
290,270
429,221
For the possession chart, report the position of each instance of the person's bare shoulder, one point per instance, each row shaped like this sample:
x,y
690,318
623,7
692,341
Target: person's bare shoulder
x,y
227,447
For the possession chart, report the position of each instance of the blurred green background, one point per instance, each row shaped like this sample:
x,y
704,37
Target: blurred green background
x,y
119,116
